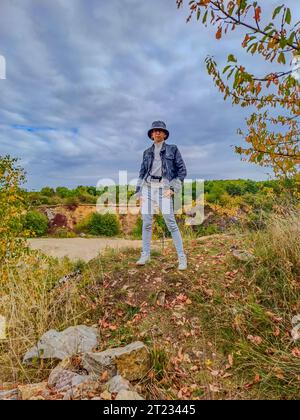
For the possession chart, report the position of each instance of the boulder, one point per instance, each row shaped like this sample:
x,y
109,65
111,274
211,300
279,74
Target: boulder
x,y
242,255
12,394
132,361
64,380
118,383
27,392
60,345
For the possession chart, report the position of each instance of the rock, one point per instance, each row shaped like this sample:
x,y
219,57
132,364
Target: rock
x,y
132,361
59,345
64,380
68,277
242,255
33,390
105,395
128,395
12,394
37,398
87,390
117,384
98,363
161,298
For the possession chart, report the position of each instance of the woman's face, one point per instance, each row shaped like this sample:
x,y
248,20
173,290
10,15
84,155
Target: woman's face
x,y
158,135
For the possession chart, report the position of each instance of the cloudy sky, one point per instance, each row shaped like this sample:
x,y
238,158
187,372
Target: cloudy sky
x,y
85,80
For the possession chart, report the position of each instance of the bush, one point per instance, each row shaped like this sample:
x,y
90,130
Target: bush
x,y
62,232
233,188
137,230
72,201
36,223
159,226
49,192
99,224
207,230
12,205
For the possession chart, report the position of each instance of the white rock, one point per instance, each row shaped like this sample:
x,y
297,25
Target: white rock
x,y
118,383
59,345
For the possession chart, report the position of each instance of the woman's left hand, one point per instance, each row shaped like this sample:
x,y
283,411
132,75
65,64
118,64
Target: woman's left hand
x,y
168,193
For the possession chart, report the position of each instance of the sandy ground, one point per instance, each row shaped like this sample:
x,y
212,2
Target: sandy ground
x,y
83,248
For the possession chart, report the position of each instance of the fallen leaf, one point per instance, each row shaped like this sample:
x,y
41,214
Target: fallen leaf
x,y
256,340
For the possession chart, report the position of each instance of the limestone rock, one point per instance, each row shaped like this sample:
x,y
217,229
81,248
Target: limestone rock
x,y
60,345
12,394
33,390
64,380
132,361
117,383
242,255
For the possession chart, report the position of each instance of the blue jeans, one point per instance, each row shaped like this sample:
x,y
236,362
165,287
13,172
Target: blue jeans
x,y
152,199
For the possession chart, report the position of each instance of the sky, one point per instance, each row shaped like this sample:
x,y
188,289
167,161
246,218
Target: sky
x,y
84,81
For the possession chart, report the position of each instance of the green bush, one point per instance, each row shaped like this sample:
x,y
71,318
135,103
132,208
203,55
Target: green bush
x,y
207,230
159,226
137,230
35,222
62,232
72,201
100,224
49,192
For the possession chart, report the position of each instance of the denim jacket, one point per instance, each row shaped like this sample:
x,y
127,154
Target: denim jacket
x,y
173,166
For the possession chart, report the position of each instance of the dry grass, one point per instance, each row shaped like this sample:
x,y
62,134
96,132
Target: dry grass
x,y
224,331
32,304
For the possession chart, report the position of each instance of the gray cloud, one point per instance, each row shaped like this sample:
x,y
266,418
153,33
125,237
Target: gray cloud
x,y
108,69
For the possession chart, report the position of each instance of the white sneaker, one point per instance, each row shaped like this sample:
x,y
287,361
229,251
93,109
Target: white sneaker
x,y
143,259
182,263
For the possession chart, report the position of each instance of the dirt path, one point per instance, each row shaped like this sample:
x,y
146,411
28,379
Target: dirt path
x,y
82,248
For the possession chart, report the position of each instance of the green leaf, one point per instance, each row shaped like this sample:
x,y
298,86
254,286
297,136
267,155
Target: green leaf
x,y
281,58
288,16
226,68
231,58
260,157
277,11
230,73
198,13
291,38
205,17
283,43
254,48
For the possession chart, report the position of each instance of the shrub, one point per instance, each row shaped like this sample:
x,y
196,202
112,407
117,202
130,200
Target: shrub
x,y
49,192
35,222
72,201
233,188
100,224
159,226
137,230
62,232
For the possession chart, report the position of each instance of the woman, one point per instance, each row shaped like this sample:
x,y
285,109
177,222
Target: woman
x,y
161,176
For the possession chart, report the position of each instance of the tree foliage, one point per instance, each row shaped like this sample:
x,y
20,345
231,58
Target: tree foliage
x,y
12,207
272,135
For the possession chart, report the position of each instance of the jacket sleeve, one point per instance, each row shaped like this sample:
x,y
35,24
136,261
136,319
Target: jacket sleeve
x,y
176,183
142,173
180,165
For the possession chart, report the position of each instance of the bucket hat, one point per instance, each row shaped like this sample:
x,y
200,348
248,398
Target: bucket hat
x,y
158,125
